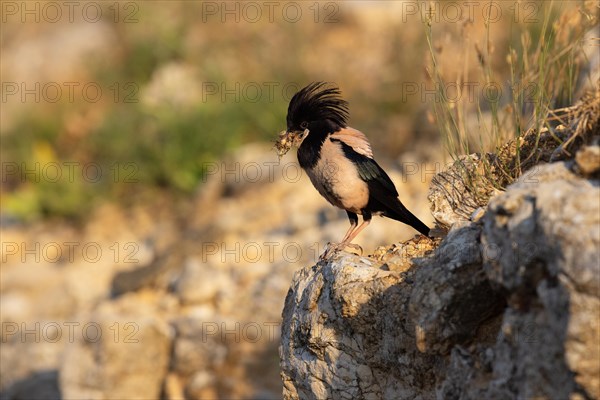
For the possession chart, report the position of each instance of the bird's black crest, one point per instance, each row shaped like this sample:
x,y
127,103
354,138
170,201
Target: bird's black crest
x,y
318,101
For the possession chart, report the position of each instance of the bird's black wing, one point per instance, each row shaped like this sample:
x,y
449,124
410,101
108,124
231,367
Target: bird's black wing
x,y
383,196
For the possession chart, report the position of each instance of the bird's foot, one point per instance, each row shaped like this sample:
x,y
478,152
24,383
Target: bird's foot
x,y
330,250
333,248
355,247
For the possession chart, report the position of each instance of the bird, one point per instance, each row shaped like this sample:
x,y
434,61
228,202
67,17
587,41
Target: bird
x,y
339,161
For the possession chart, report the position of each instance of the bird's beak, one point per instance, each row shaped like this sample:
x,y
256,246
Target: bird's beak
x,y
287,139
298,137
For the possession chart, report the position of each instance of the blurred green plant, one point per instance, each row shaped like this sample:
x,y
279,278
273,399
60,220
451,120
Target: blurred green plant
x,y
132,149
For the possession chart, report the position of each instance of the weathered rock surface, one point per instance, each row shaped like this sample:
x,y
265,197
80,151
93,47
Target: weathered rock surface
x,y
505,308
455,194
346,334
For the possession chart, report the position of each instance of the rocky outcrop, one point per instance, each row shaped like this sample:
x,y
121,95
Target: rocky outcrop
x,y
505,307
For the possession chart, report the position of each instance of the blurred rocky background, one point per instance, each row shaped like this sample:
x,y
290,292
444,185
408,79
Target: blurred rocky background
x,y
149,232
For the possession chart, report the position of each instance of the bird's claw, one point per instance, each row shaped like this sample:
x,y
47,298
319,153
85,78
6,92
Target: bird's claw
x,y
333,248
330,249
355,247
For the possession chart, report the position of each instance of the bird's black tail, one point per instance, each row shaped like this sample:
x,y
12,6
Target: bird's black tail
x,y
400,213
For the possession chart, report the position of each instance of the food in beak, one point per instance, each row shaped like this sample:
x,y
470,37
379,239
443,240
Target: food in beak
x,y
288,139
284,143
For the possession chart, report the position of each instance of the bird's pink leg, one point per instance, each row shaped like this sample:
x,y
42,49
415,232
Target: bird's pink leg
x,y
353,226
347,241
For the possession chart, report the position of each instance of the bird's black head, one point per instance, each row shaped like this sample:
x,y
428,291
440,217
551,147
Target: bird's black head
x,y
318,105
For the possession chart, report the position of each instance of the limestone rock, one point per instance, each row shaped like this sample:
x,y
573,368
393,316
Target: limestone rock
x,y
456,193
588,160
505,307
462,297
346,334
548,237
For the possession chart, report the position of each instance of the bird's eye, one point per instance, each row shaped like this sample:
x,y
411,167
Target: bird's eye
x,y
304,125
